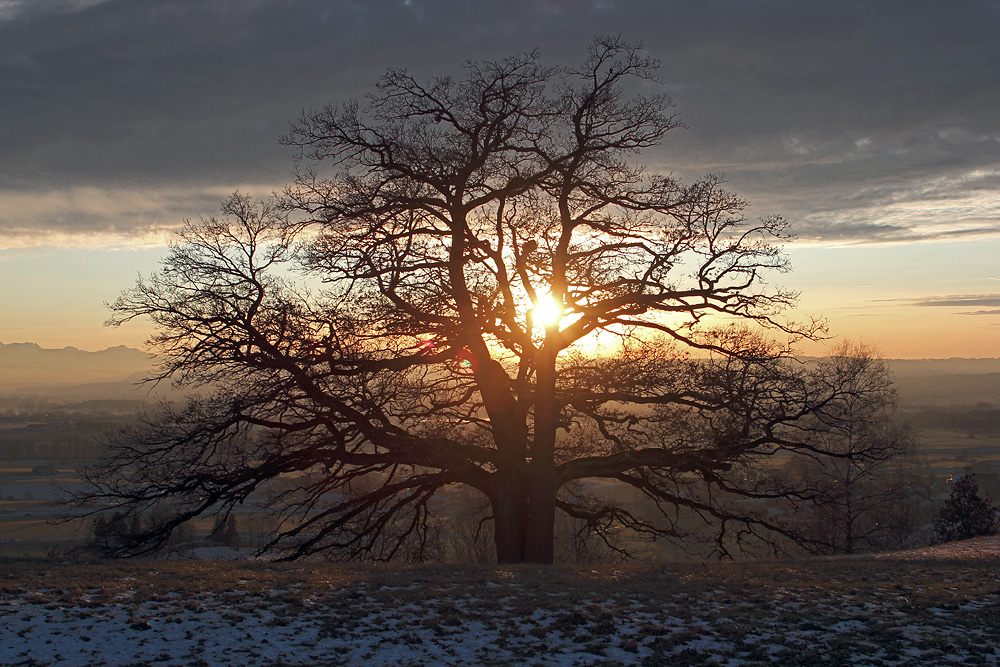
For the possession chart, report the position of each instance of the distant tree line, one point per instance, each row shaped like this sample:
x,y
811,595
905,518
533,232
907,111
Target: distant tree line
x,y
110,531
981,419
53,442
38,428
36,408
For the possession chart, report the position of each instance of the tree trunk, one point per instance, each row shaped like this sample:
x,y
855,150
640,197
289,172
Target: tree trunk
x,y
539,541
524,497
524,520
509,521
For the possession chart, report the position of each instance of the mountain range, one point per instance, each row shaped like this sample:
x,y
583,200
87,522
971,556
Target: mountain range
x,y
27,368
30,365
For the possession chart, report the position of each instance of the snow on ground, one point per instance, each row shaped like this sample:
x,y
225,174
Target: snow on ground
x,y
862,612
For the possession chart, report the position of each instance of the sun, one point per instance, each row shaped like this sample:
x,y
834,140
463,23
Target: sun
x,y
546,312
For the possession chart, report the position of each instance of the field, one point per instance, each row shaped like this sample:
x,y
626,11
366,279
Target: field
x,y
948,448
935,606
28,512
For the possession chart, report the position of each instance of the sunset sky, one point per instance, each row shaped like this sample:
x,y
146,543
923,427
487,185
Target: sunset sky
x,y
874,127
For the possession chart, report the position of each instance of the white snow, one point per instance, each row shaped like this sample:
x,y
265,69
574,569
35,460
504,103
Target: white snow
x,y
507,618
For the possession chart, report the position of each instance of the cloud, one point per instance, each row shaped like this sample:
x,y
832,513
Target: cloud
x,y
95,217
961,300
951,206
989,304
857,120
11,10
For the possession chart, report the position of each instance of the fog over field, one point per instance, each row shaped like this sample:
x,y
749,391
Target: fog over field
x,y
57,404
70,374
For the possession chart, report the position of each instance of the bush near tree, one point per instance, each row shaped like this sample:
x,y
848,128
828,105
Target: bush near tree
x,y
965,514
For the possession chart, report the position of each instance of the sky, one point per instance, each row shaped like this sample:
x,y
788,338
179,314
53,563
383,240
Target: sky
x,y
872,126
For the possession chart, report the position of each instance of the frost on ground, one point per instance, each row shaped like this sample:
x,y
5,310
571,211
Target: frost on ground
x,y
889,611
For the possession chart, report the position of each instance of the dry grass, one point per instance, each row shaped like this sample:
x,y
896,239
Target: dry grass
x,y
888,611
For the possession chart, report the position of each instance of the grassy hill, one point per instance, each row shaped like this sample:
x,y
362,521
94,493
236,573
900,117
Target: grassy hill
x,y
919,608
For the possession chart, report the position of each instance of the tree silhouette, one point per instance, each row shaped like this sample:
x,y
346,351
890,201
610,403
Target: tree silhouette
x,y
965,514
374,335
865,496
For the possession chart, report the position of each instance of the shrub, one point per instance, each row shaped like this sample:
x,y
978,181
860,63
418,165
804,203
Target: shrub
x,y
965,514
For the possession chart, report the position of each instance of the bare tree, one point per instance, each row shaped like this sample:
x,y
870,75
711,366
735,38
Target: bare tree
x,y
867,496
492,294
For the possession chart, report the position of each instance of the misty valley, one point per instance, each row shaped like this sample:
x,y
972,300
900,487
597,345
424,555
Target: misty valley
x,y
51,429
205,600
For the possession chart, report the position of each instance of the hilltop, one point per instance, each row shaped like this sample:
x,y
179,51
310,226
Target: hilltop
x,y
933,608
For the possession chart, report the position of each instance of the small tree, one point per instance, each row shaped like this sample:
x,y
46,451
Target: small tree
x,y
226,532
965,514
500,299
113,531
866,488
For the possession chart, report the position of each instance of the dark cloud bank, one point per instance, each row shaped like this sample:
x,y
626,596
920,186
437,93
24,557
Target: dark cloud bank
x,y
858,120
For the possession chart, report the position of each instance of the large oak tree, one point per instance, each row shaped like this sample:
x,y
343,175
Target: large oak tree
x,y
472,282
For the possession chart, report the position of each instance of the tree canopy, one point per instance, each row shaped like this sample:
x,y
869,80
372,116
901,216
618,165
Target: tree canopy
x,y
472,282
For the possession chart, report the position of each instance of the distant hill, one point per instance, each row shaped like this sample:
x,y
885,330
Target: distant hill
x,y
30,365
946,382
953,366
29,369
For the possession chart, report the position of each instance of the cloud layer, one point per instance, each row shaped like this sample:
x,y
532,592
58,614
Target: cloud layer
x,y
94,216
861,122
963,301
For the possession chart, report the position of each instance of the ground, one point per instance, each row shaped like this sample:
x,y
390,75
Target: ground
x,y
935,606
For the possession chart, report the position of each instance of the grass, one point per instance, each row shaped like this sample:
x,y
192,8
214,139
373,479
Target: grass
x,y
835,611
